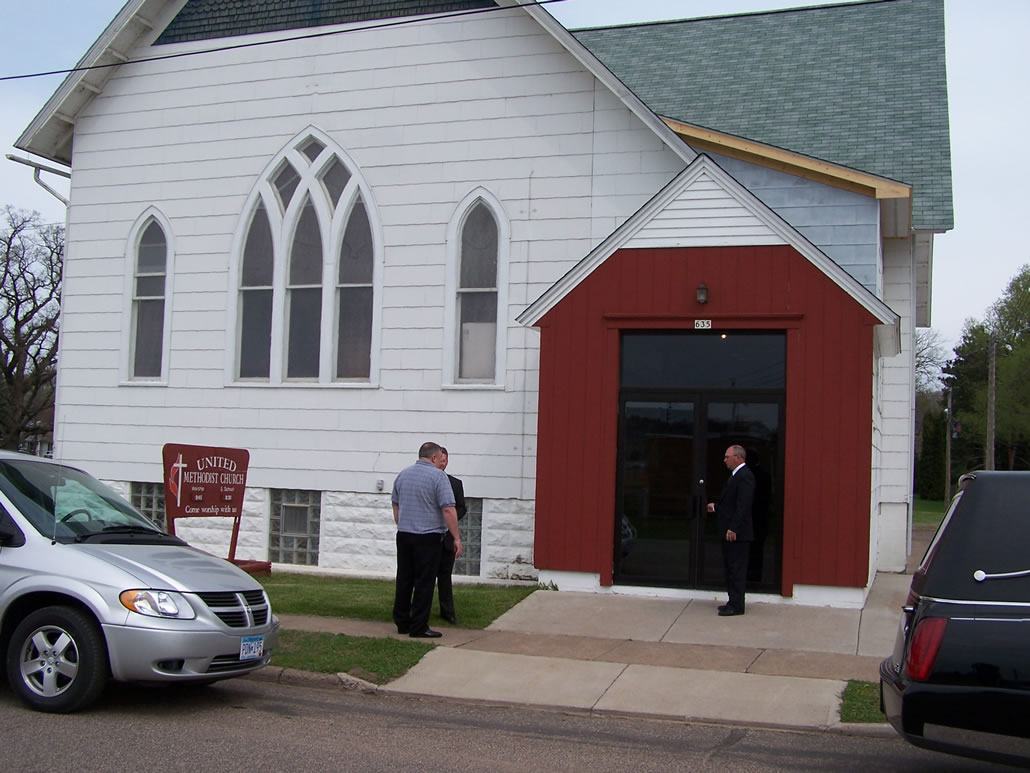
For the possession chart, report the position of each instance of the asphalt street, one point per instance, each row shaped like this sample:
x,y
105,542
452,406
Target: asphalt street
x,y
250,726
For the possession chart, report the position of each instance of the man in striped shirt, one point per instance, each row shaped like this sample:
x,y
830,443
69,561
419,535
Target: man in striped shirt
x,y
423,509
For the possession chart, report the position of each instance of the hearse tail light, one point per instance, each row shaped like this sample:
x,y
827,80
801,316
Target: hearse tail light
x,y
926,641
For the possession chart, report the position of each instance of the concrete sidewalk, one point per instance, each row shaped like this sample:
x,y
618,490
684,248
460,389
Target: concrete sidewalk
x,y
779,665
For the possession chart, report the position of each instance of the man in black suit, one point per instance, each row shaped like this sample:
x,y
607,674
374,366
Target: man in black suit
x,y
733,520
443,576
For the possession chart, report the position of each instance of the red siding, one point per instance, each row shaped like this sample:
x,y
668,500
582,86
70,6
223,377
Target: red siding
x,y
828,431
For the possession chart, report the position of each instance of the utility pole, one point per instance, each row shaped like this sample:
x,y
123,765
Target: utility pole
x,y
947,453
992,367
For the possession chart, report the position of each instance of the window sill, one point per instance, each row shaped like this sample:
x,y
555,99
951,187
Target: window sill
x,y
142,383
303,385
460,387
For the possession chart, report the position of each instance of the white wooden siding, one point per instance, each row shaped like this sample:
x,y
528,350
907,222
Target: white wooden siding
x,y
704,215
897,406
192,136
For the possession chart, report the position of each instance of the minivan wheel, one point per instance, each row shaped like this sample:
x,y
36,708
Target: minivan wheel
x,y
57,660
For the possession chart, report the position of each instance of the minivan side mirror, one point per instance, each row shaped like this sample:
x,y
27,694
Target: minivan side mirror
x,y
10,534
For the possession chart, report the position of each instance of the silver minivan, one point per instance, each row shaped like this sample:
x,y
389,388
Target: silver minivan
x,y
91,590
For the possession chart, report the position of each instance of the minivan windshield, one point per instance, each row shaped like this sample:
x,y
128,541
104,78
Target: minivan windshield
x,y
69,505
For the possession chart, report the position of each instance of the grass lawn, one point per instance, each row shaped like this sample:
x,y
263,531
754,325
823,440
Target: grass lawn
x,y
861,703
927,512
377,660
304,594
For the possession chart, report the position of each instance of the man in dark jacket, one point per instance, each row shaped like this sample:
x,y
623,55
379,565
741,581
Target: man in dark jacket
x,y
733,520
443,578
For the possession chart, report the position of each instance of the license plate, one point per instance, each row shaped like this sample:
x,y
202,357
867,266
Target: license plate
x,y
251,647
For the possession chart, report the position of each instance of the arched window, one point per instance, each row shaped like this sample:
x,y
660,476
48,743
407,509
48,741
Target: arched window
x,y
256,298
477,295
354,296
308,270
148,308
304,296
478,240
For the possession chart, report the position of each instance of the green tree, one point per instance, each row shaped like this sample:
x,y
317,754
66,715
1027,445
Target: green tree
x,y
931,463
1012,411
966,379
30,292
1007,325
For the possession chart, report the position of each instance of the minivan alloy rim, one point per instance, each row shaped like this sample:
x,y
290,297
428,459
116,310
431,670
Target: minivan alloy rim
x,y
50,661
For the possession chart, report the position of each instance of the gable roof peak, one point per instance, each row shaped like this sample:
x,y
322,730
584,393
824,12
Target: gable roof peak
x,y
704,167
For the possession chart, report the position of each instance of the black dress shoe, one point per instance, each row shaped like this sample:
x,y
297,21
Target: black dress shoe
x,y
451,619
402,629
728,611
426,633
724,607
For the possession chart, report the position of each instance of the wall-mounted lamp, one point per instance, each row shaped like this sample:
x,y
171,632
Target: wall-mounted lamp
x,y
702,293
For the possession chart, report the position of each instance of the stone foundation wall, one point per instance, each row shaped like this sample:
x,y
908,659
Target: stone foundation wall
x,y
358,534
508,540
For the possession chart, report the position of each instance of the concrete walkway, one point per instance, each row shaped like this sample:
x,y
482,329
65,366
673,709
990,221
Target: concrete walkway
x,y
779,665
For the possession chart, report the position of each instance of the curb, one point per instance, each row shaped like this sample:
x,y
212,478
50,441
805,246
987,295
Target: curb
x,y
344,681
864,729
289,676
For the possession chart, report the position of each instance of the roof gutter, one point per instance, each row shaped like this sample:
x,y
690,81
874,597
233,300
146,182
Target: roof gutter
x,y
39,180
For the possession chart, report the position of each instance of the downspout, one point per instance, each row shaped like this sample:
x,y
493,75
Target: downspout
x,y
39,181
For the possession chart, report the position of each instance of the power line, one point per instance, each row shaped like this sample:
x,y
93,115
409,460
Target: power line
x,y
253,44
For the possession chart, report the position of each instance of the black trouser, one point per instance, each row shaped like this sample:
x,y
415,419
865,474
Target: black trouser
x,y
443,578
418,558
734,561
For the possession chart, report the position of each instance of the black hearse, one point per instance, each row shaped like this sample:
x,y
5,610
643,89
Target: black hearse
x,y
958,680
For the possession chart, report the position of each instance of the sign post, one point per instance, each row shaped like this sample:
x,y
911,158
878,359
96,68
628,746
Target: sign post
x,y
205,482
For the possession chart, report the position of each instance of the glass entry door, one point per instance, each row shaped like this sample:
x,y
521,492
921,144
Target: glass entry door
x,y
660,501
670,465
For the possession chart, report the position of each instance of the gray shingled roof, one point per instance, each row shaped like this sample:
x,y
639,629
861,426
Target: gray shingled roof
x,y
862,85
207,19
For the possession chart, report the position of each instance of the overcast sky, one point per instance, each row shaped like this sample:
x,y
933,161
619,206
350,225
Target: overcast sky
x,y
988,75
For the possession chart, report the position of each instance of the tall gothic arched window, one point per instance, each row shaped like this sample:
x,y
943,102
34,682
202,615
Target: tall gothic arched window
x,y
477,295
150,263
307,271
478,239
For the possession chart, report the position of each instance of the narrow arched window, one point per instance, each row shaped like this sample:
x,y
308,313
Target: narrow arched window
x,y
256,298
148,302
304,296
477,295
308,270
354,297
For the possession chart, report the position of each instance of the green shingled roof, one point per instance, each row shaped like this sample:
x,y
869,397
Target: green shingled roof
x,y
207,19
862,85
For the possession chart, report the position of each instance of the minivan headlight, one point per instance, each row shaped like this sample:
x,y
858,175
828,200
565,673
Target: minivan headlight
x,y
157,603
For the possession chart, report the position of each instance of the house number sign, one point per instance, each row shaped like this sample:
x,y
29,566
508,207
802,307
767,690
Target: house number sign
x,y
702,324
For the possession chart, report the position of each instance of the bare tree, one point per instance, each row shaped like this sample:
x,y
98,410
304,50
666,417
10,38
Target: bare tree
x,y
30,294
930,359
